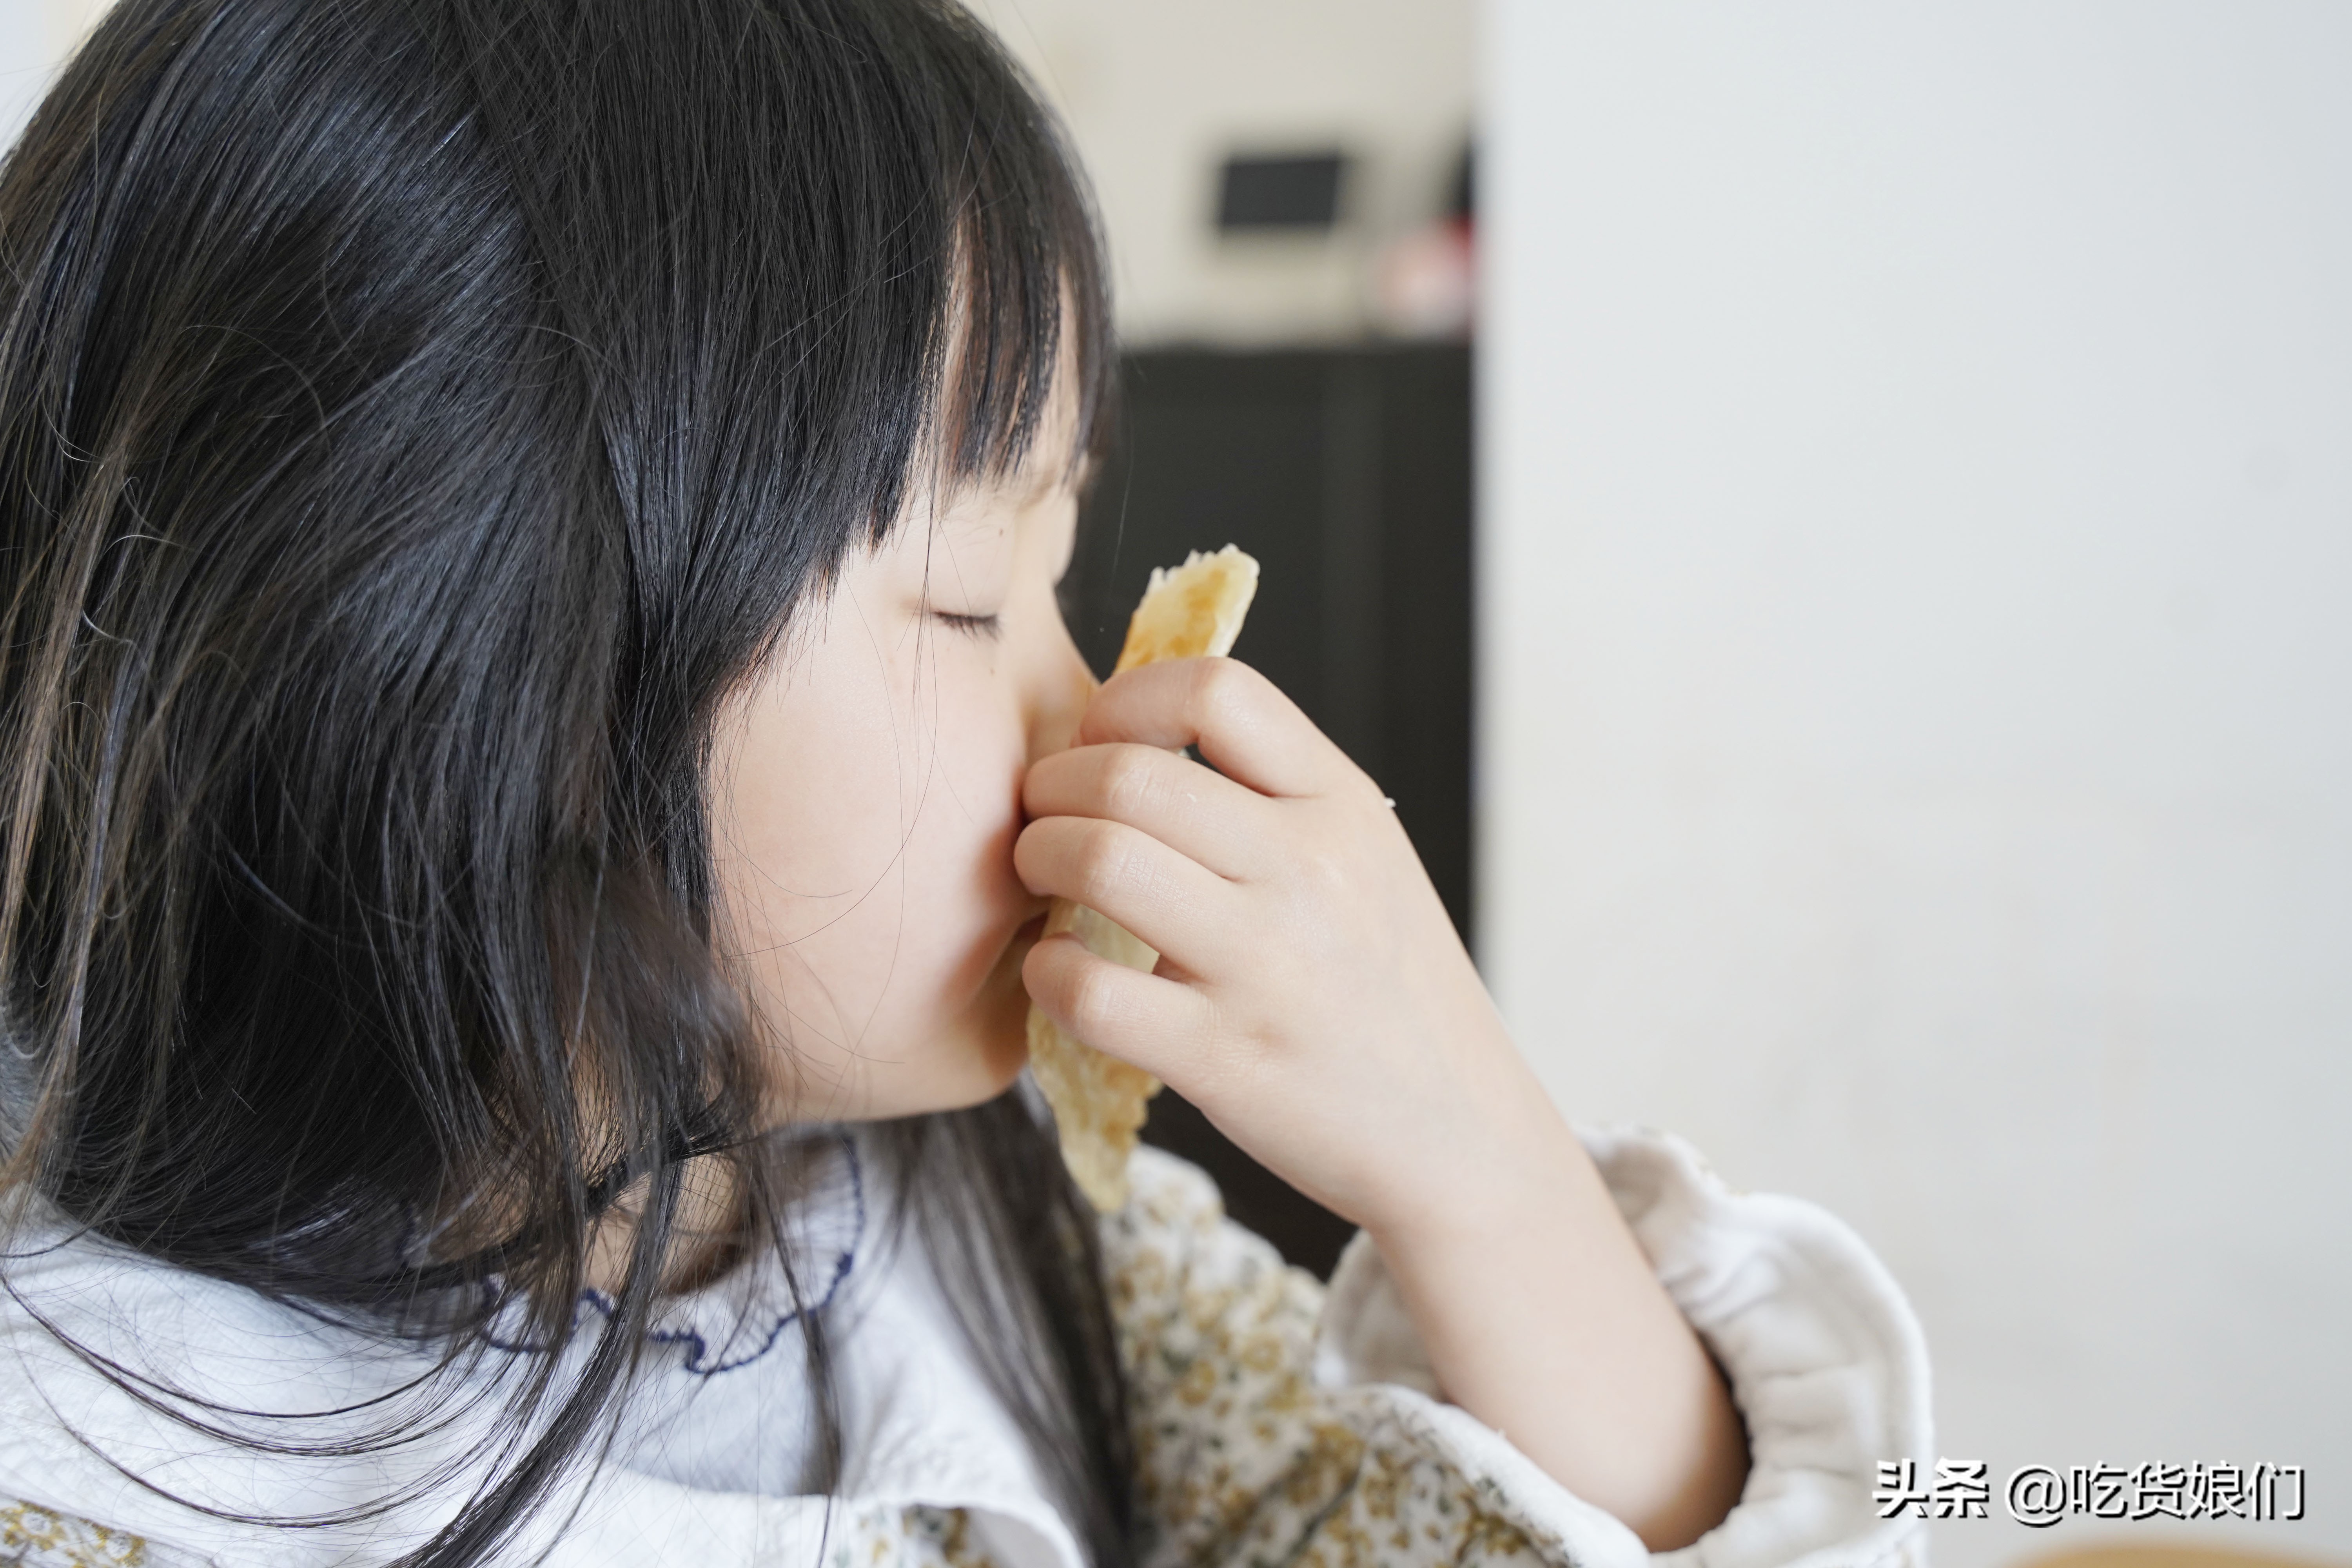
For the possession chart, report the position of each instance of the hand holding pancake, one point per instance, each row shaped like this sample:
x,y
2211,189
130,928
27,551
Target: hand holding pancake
x,y
1311,997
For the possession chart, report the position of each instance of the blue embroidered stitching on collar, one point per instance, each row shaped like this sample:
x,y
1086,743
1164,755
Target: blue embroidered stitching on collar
x,y
699,1349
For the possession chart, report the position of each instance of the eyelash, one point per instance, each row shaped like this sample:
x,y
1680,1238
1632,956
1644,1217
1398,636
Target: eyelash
x,y
990,627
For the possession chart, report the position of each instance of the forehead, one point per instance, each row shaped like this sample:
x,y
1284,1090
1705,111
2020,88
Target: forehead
x,y
977,519
977,506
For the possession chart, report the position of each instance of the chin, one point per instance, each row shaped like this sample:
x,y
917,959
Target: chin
x,y
967,1066
993,1062
980,1092
994,1042
970,1059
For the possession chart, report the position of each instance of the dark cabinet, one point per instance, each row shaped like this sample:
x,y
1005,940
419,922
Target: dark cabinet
x,y
1347,472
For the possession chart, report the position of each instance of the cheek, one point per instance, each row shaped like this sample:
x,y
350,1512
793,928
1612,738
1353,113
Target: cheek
x,y
868,809
960,813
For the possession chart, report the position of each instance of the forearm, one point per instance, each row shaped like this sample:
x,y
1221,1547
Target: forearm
x,y
1543,1317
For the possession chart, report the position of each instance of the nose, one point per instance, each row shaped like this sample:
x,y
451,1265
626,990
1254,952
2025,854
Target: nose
x,y
1058,689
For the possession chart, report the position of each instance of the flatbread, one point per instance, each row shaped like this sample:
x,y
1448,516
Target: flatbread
x,y
1193,611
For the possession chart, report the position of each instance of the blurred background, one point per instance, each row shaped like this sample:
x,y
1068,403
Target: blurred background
x,y
1865,646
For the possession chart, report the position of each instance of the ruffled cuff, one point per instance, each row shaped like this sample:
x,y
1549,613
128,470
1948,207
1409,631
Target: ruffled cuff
x,y
1825,1361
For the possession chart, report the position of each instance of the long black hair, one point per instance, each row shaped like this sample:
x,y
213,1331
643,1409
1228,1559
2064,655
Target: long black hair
x,y
415,418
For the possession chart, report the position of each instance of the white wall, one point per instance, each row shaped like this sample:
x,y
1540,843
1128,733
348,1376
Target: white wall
x,y
1917,657
35,35
1157,92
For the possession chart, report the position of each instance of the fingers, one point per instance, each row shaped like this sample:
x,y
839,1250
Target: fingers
x,y
1197,813
1137,1017
1245,727
1175,903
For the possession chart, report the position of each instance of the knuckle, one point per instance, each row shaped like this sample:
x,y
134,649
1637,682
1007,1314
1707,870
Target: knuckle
x,y
1128,781
1092,998
1102,864
1228,1061
1325,872
1224,684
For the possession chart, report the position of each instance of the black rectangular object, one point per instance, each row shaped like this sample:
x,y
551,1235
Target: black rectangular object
x,y
1298,191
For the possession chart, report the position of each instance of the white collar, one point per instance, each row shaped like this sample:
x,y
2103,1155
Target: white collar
x,y
745,1314
710,1443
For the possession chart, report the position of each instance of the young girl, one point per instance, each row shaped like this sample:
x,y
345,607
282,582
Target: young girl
x,y
537,739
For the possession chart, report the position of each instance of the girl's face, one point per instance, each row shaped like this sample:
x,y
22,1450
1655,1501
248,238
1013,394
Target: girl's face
x,y
866,793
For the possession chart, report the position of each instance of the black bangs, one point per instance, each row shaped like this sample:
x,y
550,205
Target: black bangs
x,y
829,231
415,418
1030,304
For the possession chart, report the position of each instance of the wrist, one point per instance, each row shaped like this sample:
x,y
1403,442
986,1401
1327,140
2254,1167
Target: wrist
x,y
1514,1175
1542,1316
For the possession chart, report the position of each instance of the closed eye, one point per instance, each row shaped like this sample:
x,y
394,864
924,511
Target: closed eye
x,y
987,627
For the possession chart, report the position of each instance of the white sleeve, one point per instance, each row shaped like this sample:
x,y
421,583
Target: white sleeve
x,y
1825,1359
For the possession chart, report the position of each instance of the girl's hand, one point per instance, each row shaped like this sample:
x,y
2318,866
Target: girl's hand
x,y
1312,997
1313,1000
